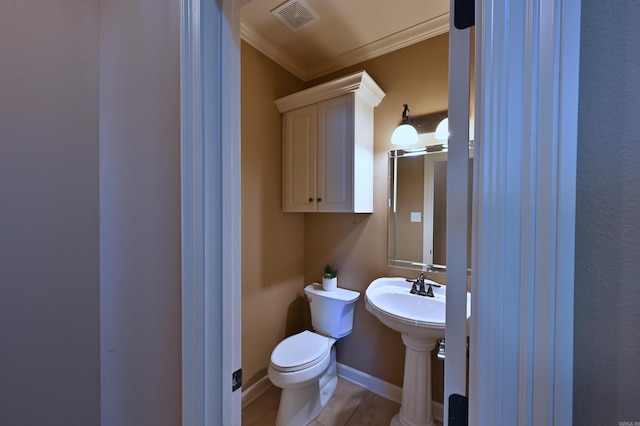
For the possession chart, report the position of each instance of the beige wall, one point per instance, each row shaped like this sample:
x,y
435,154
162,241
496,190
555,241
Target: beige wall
x,y
272,241
297,246
357,244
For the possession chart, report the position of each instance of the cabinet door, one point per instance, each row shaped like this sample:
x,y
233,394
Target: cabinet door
x,y
299,160
335,154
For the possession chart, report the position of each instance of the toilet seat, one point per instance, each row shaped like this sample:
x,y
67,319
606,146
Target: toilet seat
x,y
300,351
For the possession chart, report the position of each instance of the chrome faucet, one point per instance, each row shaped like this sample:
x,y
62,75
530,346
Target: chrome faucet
x,y
418,286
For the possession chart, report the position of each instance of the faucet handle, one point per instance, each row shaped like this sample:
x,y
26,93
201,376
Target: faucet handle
x,y
414,286
429,292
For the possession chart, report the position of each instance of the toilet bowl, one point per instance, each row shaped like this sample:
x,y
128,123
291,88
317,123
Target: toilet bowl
x,y
304,365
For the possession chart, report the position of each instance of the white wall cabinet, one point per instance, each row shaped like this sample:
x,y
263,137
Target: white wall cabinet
x,y
328,146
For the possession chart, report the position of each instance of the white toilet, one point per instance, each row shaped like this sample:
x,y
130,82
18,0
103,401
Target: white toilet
x,y
304,365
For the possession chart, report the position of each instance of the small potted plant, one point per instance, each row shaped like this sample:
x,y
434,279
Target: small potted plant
x,y
330,278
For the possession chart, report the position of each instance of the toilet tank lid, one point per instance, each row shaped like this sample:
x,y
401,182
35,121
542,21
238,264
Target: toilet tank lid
x,y
338,293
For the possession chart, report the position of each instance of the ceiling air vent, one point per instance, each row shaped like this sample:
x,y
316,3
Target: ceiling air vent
x,y
295,14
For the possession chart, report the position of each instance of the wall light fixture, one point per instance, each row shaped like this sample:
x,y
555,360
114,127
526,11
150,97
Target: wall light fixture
x,y
405,133
442,131
433,127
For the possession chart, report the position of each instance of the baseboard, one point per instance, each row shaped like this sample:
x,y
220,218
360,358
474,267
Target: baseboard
x,y
367,381
371,383
382,388
254,391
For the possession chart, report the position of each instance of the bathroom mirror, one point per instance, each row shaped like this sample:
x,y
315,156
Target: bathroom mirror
x,y
417,217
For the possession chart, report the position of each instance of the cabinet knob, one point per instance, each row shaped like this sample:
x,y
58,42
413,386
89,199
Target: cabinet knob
x,y
319,200
310,200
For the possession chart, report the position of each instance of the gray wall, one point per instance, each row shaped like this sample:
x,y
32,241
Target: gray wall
x,y
607,285
140,212
89,213
49,248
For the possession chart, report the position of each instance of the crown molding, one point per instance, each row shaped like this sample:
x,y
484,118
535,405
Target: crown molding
x,y
272,51
399,40
359,83
417,33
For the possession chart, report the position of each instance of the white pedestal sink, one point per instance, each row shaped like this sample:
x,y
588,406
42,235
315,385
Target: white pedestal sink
x,y
421,322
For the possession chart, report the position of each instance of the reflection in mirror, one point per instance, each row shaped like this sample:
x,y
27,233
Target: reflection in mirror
x,y
417,219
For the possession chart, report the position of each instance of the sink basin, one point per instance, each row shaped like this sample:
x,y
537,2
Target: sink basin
x,y
421,321
389,300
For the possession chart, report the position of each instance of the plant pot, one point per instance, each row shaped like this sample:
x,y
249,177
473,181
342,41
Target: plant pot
x,y
329,284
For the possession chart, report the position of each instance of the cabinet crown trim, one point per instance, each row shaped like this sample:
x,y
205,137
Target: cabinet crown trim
x,y
359,83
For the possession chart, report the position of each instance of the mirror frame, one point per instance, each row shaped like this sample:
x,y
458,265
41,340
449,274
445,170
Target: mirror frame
x,y
436,152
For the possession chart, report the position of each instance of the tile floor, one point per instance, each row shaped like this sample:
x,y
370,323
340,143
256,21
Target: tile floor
x,y
351,405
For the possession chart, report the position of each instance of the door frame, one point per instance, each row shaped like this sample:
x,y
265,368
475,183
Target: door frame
x,y
519,139
527,74
455,368
211,216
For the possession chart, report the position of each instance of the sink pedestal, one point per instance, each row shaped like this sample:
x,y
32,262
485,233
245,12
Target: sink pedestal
x,y
421,321
416,386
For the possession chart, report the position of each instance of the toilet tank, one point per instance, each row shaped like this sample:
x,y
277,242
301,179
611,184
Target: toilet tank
x,y
331,311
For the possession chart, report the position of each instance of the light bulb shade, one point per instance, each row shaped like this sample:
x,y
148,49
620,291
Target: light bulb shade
x,y
404,134
442,131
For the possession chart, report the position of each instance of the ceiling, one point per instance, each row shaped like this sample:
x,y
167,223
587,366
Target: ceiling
x,y
338,33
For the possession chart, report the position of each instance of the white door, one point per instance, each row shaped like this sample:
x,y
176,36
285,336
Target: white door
x,y
455,367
